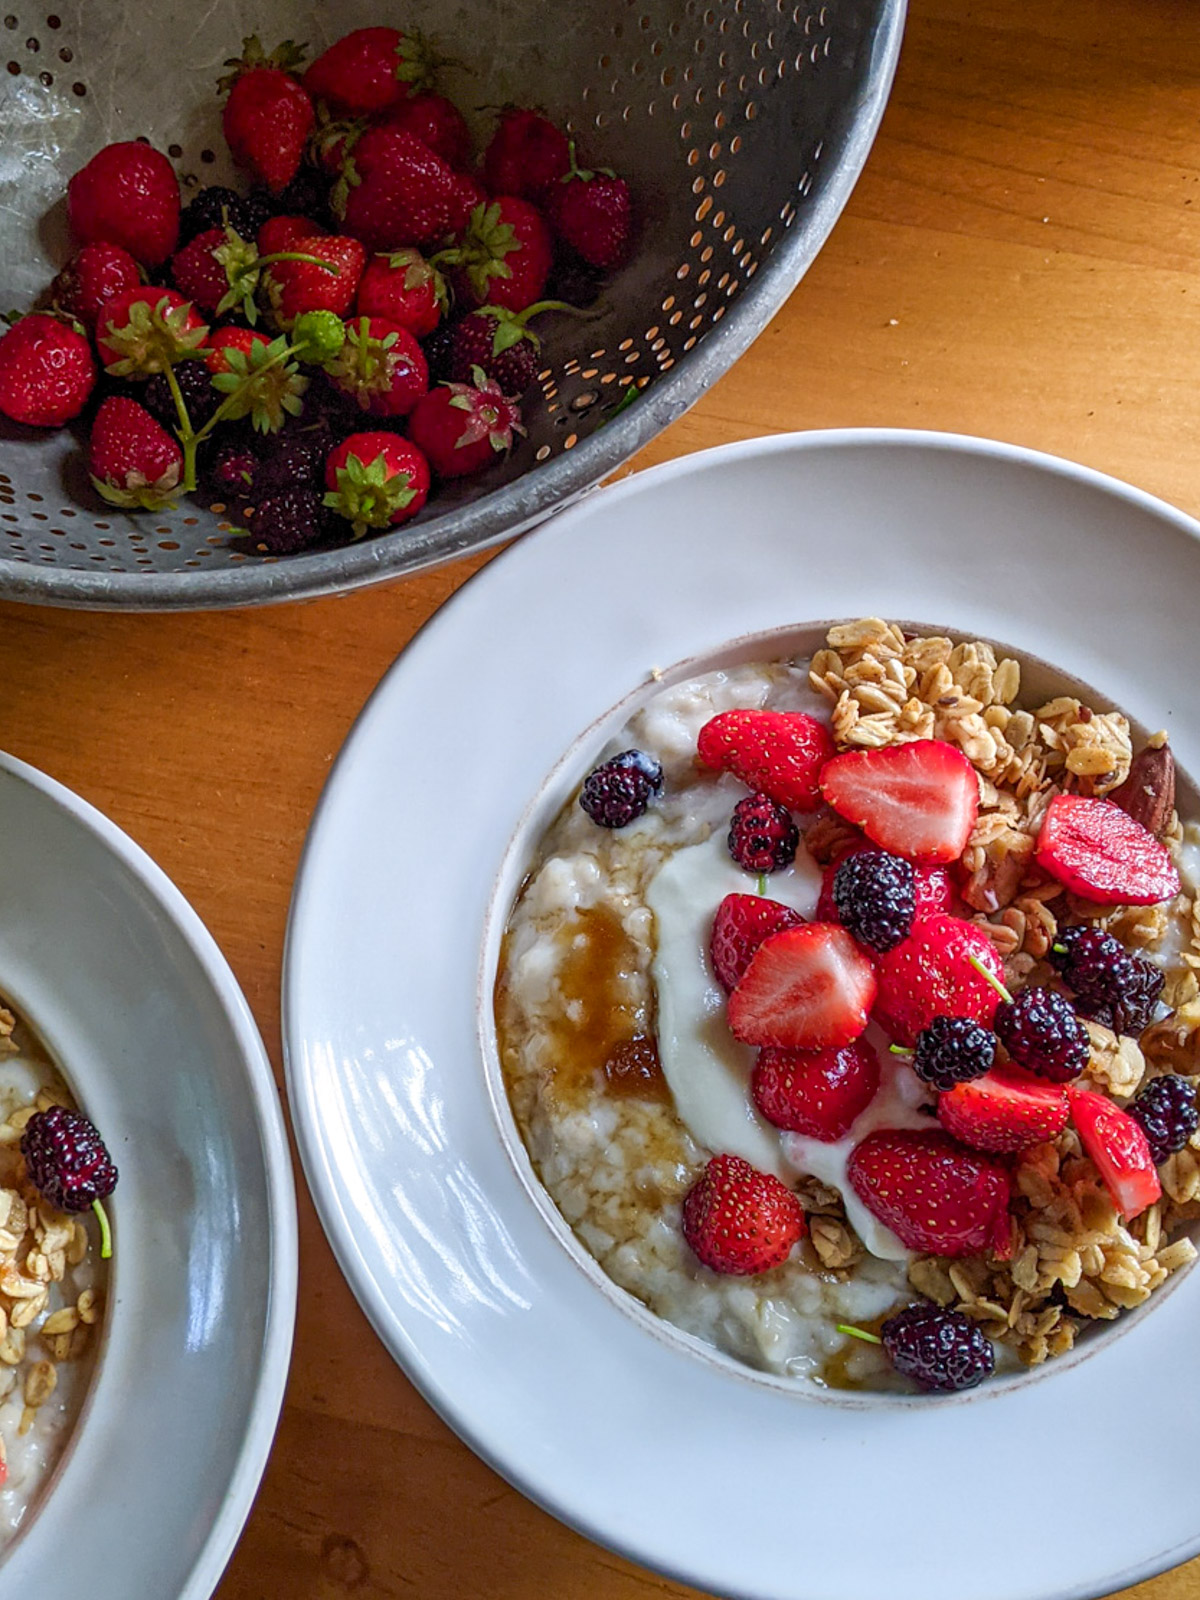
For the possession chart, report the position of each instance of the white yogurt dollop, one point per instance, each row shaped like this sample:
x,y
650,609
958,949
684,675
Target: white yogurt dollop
x,y
708,1070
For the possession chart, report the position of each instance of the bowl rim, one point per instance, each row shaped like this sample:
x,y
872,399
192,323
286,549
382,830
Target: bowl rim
x,y
282,1286
539,493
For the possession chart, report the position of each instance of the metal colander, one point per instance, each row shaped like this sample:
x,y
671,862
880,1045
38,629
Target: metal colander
x,y
741,126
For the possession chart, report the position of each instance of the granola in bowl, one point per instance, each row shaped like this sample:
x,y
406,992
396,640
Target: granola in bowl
x,y
859,995
52,1280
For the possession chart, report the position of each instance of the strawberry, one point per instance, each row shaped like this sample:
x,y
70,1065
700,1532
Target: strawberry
x,y
593,213
380,366
371,70
819,1093
464,428
133,461
46,371
918,800
741,1221
268,116
1097,850
404,288
807,988
281,233
198,275
222,339
437,122
934,1194
929,975
1118,1147
932,888
741,924
1005,1110
90,278
294,287
127,195
140,331
780,753
376,480
504,256
527,152
395,191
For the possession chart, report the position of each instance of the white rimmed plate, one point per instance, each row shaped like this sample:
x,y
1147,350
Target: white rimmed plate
x,y
684,1463
114,969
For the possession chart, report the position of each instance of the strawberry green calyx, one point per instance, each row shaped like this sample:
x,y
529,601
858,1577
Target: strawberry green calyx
x,y
584,174
486,241
153,340
141,495
265,385
418,61
513,326
367,496
418,272
490,414
241,262
318,336
365,364
286,57
333,138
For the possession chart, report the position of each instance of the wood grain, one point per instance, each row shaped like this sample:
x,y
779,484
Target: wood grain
x,y
1018,260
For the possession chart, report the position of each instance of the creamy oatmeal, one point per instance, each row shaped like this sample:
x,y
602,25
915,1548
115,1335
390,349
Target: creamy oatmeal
x,y
624,1076
51,1291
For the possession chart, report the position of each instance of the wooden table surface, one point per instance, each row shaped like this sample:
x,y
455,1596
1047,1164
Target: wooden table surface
x,y
1018,260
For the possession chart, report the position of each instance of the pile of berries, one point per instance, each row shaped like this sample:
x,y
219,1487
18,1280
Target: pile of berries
x,y
888,946
314,357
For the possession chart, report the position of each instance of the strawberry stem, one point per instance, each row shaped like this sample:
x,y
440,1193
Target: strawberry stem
x,y
291,255
859,1333
105,1231
986,972
762,883
901,1050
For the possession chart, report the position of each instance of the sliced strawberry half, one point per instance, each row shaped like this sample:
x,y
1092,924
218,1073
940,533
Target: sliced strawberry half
x,y
934,1194
932,888
929,975
1003,1111
1119,1148
918,800
807,988
741,924
819,1093
1100,852
740,1220
780,753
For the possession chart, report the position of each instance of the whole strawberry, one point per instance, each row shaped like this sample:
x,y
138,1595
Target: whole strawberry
x,y
268,116
47,371
464,428
200,274
404,288
527,152
437,122
281,233
504,256
327,283
396,191
741,924
90,278
933,1193
376,480
371,70
740,1221
929,975
779,753
380,367
221,340
141,331
127,195
593,213
819,1093
133,462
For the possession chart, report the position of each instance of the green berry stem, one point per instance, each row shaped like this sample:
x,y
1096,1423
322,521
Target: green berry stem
x,y
291,255
762,883
186,432
991,978
105,1231
901,1050
859,1333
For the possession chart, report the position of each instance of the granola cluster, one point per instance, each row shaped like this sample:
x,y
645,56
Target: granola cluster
x,y
41,1326
1072,1257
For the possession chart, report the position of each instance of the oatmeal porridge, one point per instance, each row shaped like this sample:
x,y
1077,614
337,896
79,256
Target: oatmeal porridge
x,y
52,1283
642,1075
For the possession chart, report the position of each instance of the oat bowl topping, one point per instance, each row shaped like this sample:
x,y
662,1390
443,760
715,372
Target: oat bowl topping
x,y
847,1013
54,1247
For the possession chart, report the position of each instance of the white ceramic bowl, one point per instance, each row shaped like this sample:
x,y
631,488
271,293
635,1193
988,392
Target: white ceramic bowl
x,y
127,989
697,1466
